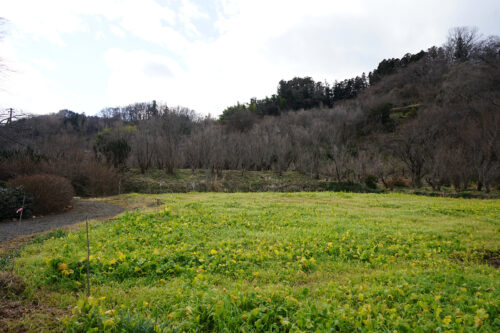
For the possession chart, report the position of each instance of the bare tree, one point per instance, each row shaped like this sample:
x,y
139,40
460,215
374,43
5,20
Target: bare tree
x,y
483,141
462,43
414,146
143,146
282,151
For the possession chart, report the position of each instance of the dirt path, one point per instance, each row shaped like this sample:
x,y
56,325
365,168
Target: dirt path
x,y
81,209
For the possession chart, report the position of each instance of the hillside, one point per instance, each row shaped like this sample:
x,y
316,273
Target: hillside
x,y
430,119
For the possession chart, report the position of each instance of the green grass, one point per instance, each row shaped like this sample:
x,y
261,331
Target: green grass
x,y
280,262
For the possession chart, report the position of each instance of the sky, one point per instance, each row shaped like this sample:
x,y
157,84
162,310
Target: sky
x,y
206,54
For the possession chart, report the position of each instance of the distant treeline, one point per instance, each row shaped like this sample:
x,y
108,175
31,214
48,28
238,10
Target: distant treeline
x,y
431,117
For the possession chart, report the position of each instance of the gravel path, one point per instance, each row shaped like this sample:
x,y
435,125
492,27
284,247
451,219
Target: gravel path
x,y
81,209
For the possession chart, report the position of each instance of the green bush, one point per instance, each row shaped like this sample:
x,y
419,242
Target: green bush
x,y
11,199
50,193
371,181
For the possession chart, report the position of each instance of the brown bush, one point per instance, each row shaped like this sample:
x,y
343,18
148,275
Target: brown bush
x,y
102,179
18,164
50,193
88,177
397,182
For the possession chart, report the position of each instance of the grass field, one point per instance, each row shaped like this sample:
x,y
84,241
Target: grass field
x,y
279,262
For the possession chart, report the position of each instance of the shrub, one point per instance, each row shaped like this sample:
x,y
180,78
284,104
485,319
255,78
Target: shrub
x,y
371,181
88,177
50,193
397,182
344,187
18,162
11,199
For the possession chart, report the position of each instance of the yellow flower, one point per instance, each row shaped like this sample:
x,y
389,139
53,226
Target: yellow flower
x,y
121,256
447,320
62,267
481,315
213,252
109,322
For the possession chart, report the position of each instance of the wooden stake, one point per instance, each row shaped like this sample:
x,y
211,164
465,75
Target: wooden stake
x,y
88,257
22,209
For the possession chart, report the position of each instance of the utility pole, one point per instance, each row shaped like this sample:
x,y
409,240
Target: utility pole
x,y
6,117
10,115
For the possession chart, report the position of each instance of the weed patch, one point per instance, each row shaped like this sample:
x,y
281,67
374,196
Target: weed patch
x,y
264,262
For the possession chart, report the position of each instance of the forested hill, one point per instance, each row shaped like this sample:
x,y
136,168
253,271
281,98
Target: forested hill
x,y
408,80
304,93
427,118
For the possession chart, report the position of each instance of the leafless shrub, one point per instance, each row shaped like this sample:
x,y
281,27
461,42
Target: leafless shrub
x,y
50,193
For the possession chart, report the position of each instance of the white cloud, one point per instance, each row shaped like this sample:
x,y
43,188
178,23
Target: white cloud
x,y
208,58
45,63
188,13
139,76
116,31
26,88
43,19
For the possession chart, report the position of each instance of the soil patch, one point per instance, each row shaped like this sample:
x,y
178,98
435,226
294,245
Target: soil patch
x,y
18,314
489,257
10,285
492,258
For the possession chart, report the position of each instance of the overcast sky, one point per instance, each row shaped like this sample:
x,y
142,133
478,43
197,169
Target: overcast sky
x,y
207,54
